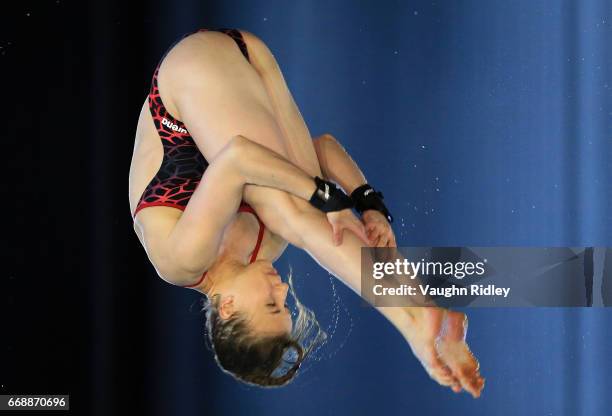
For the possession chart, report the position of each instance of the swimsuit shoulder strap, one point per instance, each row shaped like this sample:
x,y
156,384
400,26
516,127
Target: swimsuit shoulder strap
x,y
244,207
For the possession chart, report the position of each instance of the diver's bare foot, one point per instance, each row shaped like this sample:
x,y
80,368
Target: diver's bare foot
x,y
437,338
422,329
454,351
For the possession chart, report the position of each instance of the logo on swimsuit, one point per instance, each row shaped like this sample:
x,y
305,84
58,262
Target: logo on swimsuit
x,y
173,126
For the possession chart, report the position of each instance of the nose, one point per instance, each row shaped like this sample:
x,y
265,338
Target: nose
x,y
283,288
273,275
275,279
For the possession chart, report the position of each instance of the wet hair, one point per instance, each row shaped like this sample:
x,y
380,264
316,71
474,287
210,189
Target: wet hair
x,y
265,361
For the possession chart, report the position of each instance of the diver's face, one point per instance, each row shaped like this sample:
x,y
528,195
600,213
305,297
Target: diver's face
x,y
260,294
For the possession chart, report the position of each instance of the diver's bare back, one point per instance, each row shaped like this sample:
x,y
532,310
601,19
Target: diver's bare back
x,y
235,93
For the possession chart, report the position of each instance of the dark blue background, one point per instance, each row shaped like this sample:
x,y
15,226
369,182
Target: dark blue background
x,y
486,123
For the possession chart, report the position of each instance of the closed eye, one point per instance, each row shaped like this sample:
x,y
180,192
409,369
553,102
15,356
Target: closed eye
x,y
272,305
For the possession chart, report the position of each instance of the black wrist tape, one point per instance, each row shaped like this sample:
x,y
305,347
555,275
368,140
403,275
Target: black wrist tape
x,y
365,198
328,197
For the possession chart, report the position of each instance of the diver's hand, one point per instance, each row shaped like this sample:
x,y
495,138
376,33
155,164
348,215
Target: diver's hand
x,y
378,229
346,220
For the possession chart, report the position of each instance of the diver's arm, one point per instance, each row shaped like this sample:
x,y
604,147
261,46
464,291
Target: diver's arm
x,y
182,249
336,164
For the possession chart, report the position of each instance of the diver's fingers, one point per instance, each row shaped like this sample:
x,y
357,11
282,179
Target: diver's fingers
x,y
392,242
373,233
359,230
373,238
374,242
384,239
336,234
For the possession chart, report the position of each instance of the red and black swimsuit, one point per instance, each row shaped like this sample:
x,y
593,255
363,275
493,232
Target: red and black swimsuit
x,y
183,164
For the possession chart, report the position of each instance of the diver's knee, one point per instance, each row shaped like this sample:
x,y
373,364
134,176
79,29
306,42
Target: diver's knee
x,y
241,152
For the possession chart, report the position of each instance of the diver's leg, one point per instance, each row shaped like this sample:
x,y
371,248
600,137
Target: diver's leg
x,y
206,82
424,328
296,138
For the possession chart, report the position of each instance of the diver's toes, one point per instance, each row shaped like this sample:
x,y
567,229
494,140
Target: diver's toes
x,y
468,372
446,380
435,364
446,370
476,385
442,379
481,383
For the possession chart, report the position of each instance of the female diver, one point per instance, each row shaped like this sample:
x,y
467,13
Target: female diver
x,y
233,180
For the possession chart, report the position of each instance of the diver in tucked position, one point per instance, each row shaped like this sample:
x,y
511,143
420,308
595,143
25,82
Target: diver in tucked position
x,y
225,174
